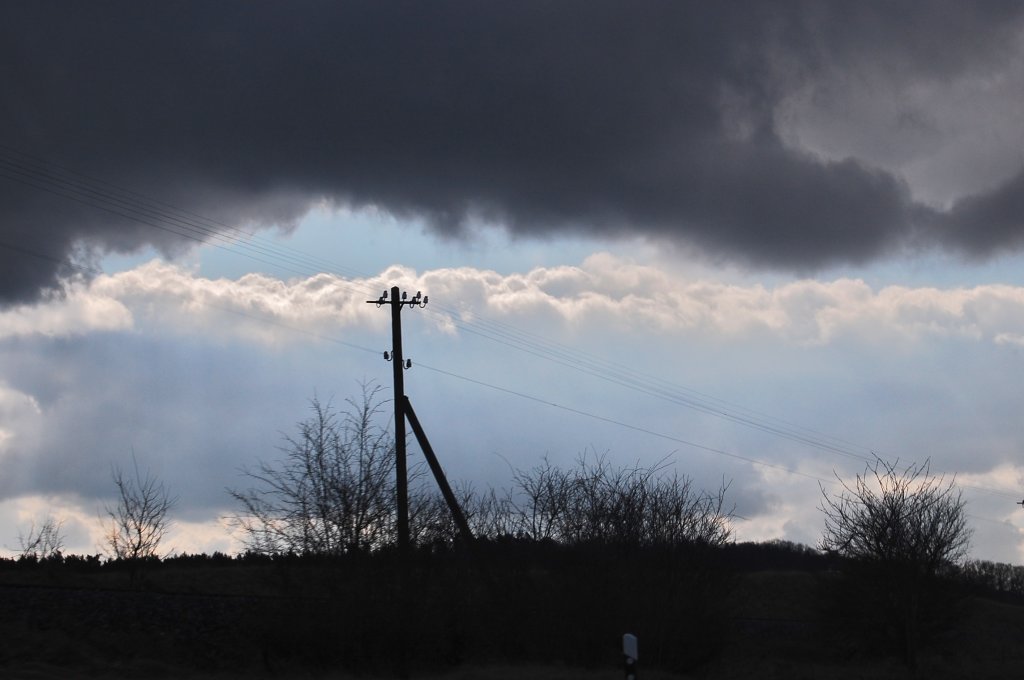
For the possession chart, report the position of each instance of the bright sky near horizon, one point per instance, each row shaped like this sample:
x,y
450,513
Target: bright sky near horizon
x,y
757,244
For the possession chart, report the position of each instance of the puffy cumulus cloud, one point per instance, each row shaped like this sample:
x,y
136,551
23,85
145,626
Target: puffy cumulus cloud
x,y
260,308
80,311
708,126
804,311
602,292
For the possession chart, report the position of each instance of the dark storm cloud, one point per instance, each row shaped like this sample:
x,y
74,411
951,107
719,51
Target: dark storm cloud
x,y
988,223
650,118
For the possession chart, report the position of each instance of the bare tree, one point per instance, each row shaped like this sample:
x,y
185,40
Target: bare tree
x,y
140,519
904,517
596,502
43,542
541,500
489,514
902,528
333,492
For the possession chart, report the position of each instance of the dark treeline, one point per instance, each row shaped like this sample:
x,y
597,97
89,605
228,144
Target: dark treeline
x,y
994,578
514,600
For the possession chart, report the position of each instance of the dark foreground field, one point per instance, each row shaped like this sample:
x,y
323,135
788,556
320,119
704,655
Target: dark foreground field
x,y
545,614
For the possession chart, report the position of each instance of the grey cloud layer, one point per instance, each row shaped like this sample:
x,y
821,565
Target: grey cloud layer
x,y
653,118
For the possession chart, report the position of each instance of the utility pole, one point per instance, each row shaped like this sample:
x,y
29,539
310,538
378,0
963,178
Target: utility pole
x,y
397,300
403,410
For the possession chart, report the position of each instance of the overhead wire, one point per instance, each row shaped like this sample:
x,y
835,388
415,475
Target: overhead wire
x,y
692,398
202,230
638,383
41,175
620,423
103,195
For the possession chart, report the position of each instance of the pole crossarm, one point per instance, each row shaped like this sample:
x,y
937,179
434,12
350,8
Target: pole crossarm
x,y
418,300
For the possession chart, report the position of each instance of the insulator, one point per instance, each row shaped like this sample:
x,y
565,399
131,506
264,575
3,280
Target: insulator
x,y
404,295
387,356
408,363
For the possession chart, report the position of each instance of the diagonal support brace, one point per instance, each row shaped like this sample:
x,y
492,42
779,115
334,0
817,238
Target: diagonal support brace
x,y
435,468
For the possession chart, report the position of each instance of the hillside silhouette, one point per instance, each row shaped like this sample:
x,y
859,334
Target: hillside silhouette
x,y
739,610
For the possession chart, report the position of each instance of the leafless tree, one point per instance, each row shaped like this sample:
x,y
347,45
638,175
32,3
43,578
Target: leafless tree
x,y
489,514
43,542
596,502
903,528
140,519
541,500
677,513
333,491
898,516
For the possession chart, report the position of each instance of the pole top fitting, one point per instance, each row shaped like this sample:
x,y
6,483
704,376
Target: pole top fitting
x,y
382,300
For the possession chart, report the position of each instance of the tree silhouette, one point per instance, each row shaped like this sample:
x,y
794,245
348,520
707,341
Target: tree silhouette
x,y
333,492
139,520
598,503
45,541
903,528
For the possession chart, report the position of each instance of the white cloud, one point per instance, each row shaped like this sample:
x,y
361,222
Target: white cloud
x,y
80,311
200,376
603,292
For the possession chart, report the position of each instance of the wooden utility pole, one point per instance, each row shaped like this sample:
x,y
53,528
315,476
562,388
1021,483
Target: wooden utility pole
x,y
397,300
403,410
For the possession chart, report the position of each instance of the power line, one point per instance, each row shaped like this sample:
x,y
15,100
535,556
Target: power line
x,y
619,423
535,399
103,195
588,414
99,194
41,175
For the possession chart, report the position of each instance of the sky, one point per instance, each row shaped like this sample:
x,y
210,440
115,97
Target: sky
x,y
756,243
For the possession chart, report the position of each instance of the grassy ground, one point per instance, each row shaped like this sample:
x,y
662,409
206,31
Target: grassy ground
x,y
41,671
780,625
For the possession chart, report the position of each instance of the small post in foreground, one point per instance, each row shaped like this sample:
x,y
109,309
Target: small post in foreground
x,y
629,651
